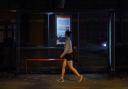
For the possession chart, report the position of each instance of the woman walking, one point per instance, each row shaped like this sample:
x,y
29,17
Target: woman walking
x,y
67,55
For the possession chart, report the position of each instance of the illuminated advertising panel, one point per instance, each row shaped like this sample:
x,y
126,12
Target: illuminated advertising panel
x,y
62,24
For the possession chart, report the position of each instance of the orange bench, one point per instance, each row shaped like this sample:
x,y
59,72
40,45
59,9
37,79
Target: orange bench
x,y
39,60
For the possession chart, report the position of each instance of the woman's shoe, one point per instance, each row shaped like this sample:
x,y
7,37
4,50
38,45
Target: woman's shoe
x,y
60,80
81,78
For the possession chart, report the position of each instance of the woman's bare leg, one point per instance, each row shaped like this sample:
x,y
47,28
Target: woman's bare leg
x,y
74,70
63,69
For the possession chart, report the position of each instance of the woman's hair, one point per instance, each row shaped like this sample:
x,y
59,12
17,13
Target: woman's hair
x,y
68,33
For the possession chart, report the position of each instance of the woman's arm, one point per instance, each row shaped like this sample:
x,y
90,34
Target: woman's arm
x,y
66,48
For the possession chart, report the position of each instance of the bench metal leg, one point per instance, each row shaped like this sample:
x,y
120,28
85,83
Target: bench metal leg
x,y
26,66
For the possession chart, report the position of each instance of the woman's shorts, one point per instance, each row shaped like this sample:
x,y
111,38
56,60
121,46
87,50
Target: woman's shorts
x,y
69,56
